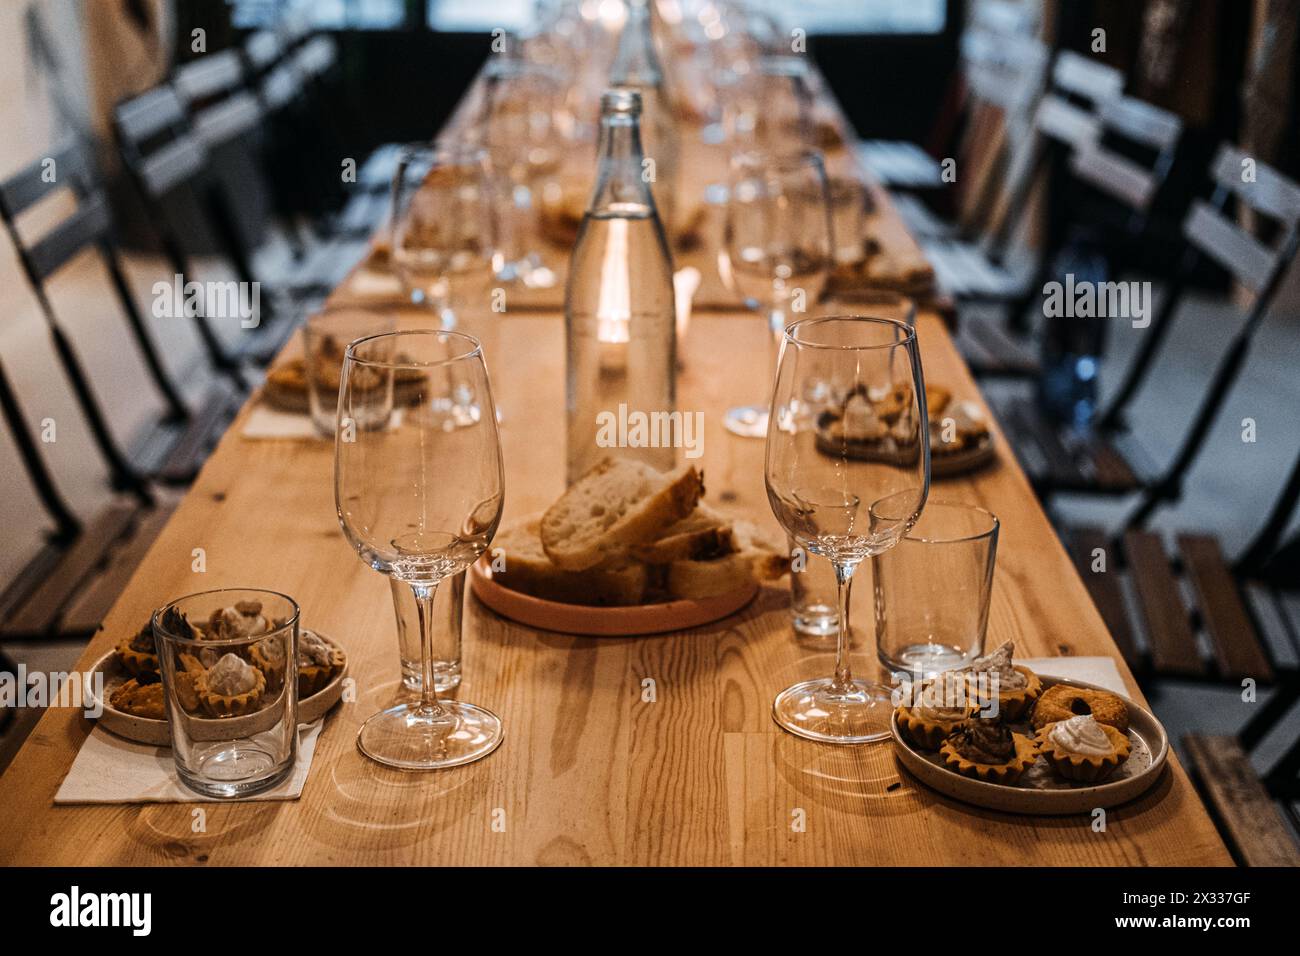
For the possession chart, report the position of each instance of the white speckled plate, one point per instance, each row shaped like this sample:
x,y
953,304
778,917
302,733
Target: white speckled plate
x,y
146,730
1040,791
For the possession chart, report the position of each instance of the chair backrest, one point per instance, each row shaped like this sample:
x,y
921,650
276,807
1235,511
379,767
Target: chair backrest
x,y
1068,112
156,141
316,57
263,50
1098,162
212,89
1267,193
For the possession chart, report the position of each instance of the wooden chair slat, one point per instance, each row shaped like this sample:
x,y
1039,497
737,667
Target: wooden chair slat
x,y
177,162
32,183
1084,77
215,74
281,87
227,120
1269,192
1113,174
38,614
1141,122
1105,588
1164,616
92,221
263,49
1248,816
1237,646
316,56
86,611
145,116
1248,259
1061,120
190,451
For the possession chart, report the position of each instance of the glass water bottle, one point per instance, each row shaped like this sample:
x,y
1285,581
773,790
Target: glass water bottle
x,y
620,335
637,67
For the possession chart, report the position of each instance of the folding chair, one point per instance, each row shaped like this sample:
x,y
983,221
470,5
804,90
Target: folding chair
x,y
183,439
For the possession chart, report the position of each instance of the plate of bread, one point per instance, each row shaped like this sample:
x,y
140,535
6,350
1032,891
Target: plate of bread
x,y
627,550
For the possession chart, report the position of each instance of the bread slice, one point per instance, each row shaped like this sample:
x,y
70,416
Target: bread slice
x,y
769,553
758,557
527,569
704,534
616,506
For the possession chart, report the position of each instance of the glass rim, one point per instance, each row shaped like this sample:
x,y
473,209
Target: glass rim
x,y
155,621
790,336
475,349
781,159
458,149
994,522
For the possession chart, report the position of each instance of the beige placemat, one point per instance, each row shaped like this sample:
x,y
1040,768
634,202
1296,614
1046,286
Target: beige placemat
x,y
1094,670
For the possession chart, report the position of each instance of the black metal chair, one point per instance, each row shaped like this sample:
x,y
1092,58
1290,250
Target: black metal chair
x,y
182,437
1111,460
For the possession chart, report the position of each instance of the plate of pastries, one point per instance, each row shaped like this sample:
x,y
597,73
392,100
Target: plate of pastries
x,y
877,426
627,550
215,685
286,386
999,735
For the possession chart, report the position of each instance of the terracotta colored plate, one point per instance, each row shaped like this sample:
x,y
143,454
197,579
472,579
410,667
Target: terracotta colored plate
x,y
146,730
1040,792
604,621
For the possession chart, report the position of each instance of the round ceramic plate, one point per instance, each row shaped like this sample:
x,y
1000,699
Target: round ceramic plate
x,y
146,730
1040,791
964,461
604,621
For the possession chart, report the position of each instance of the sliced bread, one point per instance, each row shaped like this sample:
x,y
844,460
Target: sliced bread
x,y
524,567
616,506
704,534
758,557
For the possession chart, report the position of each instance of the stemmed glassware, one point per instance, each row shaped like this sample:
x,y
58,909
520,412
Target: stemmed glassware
x,y
777,249
443,223
419,501
848,426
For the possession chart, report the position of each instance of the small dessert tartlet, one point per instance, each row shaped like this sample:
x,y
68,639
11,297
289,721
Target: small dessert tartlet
x,y
987,749
242,619
268,656
318,663
231,687
139,700
138,655
1016,686
1061,702
1083,750
934,710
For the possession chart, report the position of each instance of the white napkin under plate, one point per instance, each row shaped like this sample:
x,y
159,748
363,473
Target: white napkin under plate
x,y
1093,670
267,422
109,769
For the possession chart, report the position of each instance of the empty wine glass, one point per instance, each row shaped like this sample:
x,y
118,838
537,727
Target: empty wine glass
x,y
846,429
419,501
443,224
777,248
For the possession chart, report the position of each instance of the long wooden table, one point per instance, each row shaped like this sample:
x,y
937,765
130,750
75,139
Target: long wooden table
x,y
589,772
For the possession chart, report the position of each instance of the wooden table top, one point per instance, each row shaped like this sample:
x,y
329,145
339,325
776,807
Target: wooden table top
x,y
589,773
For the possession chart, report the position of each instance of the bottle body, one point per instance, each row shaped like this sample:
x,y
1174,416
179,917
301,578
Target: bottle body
x,y
619,311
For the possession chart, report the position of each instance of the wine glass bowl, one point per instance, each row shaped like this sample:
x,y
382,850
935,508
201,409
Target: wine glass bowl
x,y
847,427
420,501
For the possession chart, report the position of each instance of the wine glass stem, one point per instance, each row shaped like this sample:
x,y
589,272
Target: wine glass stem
x,y
844,580
424,595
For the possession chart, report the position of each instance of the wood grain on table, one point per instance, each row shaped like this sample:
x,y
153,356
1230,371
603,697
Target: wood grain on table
x,y
590,772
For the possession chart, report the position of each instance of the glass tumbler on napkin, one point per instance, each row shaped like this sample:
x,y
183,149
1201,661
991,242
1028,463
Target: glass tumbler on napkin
x,y
932,591
325,337
230,687
448,619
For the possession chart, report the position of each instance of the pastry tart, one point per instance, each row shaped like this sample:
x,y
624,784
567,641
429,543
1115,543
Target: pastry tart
x,y
268,656
187,678
140,700
318,663
232,687
934,711
1063,702
1015,686
1083,750
139,655
988,750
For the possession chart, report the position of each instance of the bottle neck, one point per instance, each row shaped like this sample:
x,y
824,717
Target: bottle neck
x,y
620,176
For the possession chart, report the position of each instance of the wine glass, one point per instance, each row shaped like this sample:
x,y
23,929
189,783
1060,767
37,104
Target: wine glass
x,y
777,248
419,501
847,427
518,128
443,226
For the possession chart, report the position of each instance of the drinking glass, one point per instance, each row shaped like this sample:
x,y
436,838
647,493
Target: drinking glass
x,y
443,226
448,623
821,484
777,247
518,128
932,591
231,694
325,337
420,501
814,601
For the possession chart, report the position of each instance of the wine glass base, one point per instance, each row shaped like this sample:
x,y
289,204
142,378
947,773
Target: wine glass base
x,y
814,709
407,739
747,421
